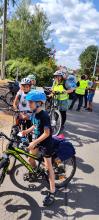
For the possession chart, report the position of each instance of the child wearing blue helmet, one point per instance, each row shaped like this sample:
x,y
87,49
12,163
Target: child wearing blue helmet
x,y
42,135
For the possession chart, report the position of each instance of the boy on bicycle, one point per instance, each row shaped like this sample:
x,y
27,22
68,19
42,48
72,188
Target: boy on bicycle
x,y
43,137
21,104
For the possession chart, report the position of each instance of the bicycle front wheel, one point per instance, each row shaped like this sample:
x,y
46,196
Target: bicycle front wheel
x,y
12,161
56,121
3,169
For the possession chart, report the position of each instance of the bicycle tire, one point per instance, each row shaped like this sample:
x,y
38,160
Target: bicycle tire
x,y
9,98
68,179
48,106
12,163
3,169
56,121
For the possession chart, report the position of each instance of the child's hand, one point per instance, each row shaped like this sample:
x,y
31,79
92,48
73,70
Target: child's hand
x,y
23,132
24,116
31,146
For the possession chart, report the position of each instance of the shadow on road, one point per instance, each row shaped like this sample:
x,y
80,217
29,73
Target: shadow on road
x,y
30,210
82,165
84,197
57,209
82,128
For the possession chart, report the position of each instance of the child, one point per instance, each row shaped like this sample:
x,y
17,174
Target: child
x,y
43,137
33,81
21,104
91,94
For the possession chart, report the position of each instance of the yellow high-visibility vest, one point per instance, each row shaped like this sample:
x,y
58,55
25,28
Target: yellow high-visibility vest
x,y
60,88
82,87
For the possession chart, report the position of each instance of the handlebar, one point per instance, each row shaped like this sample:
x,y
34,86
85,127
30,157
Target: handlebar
x,y
18,111
4,135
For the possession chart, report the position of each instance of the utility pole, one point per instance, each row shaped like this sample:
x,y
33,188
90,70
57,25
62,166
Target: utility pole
x,y
3,53
94,71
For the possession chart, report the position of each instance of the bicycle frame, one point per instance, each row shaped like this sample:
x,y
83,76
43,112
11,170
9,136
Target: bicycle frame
x,y
16,153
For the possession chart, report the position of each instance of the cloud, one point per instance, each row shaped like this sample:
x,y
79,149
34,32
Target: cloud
x,y
76,26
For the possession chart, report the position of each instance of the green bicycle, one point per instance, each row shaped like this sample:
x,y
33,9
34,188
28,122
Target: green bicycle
x,y
64,171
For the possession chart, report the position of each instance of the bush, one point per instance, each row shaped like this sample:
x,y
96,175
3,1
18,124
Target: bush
x,y
24,67
44,75
44,71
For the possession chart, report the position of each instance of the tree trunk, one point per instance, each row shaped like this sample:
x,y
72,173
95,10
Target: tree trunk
x,y
3,54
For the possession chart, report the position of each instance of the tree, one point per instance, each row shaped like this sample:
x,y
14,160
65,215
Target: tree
x,y
87,59
3,53
27,34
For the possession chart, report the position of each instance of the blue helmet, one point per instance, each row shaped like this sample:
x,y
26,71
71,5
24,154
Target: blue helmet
x,y
36,96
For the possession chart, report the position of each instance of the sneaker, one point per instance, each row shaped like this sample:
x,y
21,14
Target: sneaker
x,y
49,199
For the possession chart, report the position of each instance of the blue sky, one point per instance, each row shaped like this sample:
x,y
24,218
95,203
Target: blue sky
x,y
75,24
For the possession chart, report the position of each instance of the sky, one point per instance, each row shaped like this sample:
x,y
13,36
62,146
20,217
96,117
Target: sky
x,y
75,24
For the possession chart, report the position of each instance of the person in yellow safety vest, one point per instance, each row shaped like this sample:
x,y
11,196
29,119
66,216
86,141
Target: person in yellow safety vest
x,y
79,93
62,98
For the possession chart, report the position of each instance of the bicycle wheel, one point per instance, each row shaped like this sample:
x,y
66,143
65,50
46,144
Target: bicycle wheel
x,y
9,98
64,172
3,169
48,106
12,161
56,121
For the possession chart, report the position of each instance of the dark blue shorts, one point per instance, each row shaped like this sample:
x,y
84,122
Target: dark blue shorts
x,y
90,97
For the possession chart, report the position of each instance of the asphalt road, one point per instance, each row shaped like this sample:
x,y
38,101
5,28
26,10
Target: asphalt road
x,y
81,199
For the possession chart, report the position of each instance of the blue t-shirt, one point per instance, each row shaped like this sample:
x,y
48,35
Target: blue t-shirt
x,y
41,121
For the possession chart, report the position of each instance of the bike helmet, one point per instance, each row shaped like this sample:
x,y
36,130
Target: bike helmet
x,y
36,96
59,73
32,77
71,77
25,81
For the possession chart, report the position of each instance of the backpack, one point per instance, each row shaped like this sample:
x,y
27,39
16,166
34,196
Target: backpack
x,y
63,149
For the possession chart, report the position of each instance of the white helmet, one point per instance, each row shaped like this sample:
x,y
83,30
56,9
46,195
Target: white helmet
x,y
59,73
25,81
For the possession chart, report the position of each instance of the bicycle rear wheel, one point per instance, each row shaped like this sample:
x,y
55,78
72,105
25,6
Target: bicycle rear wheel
x,y
9,98
56,121
65,172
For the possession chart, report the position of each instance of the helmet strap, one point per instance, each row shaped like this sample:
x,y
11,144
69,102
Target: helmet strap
x,y
37,106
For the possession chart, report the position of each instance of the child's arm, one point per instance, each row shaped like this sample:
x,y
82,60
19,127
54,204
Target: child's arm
x,y
27,131
70,91
40,139
15,103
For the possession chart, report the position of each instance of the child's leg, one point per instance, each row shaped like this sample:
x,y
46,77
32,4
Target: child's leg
x,y
48,165
32,161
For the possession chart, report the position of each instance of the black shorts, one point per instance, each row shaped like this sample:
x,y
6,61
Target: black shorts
x,y
47,151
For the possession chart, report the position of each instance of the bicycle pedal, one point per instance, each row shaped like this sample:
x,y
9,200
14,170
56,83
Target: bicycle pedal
x,y
26,176
31,180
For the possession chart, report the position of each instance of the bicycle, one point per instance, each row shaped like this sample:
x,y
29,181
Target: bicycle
x,y
52,107
13,88
63,173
